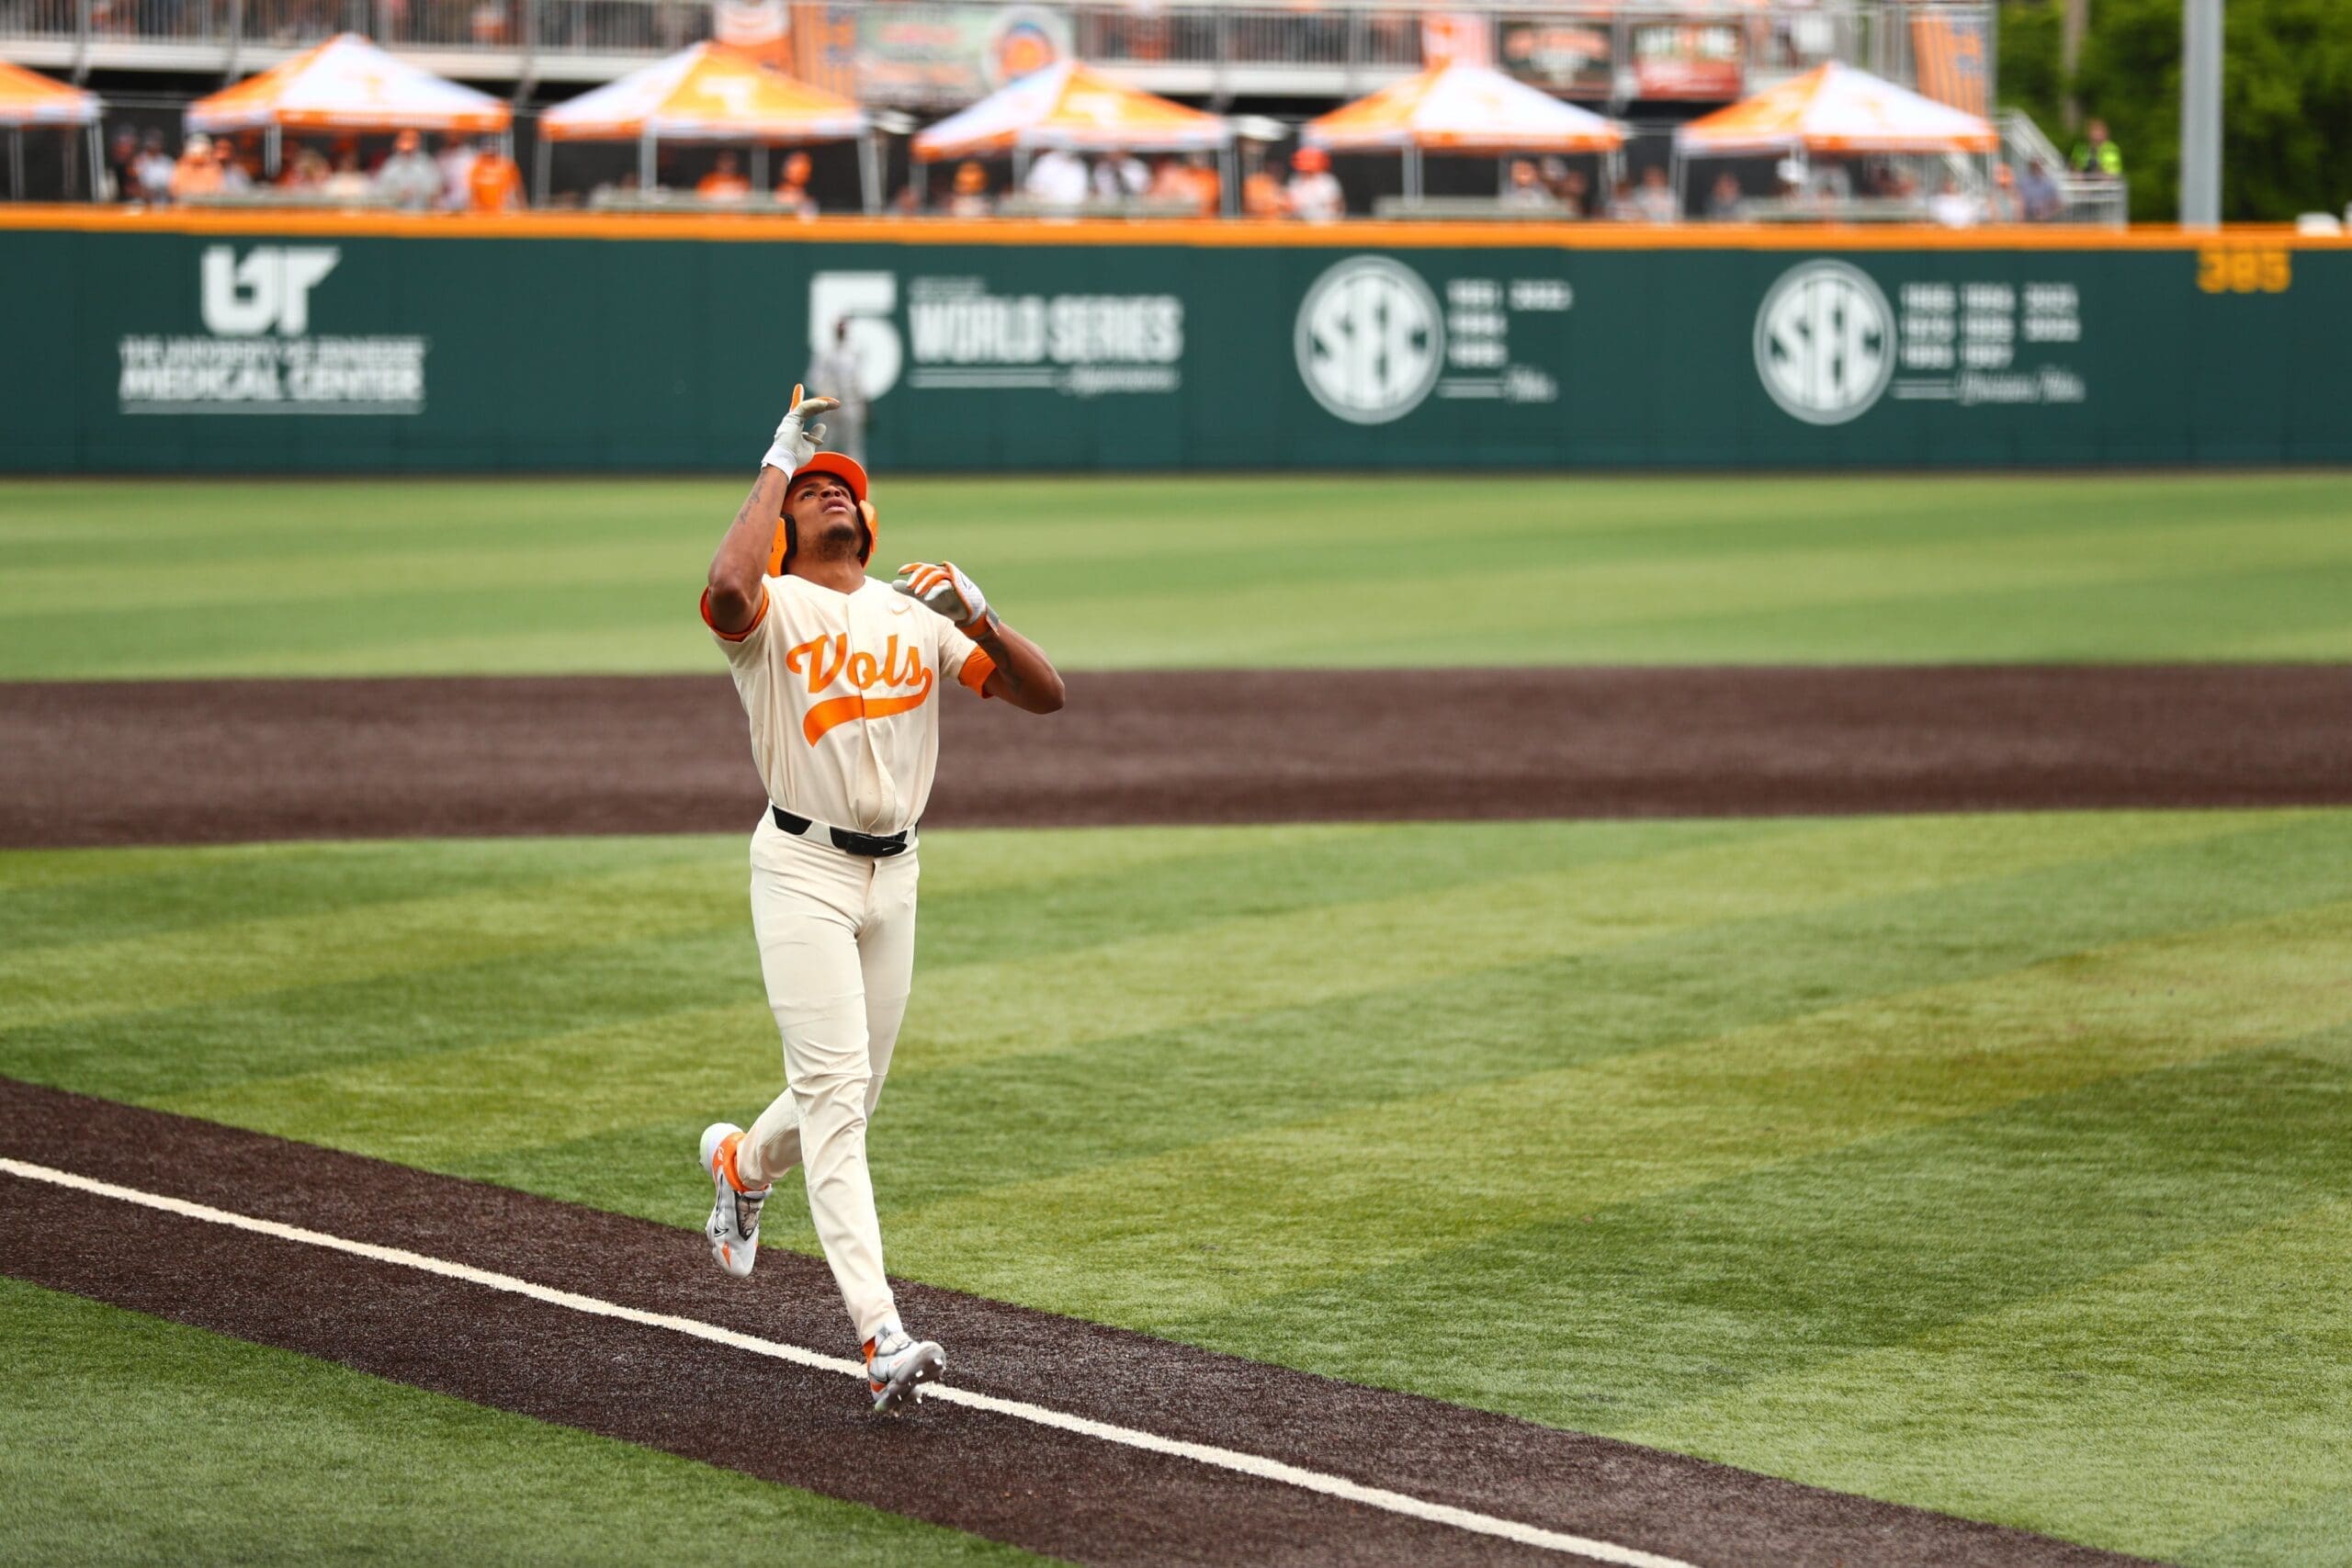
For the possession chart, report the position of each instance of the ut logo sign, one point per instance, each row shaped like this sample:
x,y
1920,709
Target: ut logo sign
x,y
269,290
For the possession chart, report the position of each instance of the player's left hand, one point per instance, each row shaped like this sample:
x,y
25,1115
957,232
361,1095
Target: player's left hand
x,y
946,589
796,439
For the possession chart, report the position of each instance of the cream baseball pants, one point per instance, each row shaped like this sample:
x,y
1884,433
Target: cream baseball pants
x,y
837,949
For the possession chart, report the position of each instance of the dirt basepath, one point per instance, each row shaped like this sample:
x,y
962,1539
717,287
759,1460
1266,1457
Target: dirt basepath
x,y
245,760
1058,1491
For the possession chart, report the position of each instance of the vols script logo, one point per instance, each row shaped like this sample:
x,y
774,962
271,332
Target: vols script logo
x,y
903,674
1825,342
1370,340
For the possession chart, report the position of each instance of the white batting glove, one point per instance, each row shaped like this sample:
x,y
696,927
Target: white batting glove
x,y
946,589
794,447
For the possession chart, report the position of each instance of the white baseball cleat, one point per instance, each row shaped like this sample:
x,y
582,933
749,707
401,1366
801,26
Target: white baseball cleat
x,y
733,1228
898,1365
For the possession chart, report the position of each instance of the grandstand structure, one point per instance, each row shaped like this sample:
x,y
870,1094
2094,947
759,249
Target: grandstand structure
x,y
1226,54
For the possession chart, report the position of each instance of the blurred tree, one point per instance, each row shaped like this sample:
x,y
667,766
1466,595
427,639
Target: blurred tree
x,y
2286,97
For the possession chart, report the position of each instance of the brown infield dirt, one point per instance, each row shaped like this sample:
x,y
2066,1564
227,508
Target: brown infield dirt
x,y
216,761
1060,1493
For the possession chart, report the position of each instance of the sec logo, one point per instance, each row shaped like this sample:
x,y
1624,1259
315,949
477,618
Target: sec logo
x,y
1825,342
1370,340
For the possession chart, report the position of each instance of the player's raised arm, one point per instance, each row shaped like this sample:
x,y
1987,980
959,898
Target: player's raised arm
x,y
733,601
1024,675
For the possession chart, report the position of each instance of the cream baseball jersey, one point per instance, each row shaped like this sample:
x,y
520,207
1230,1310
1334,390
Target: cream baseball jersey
x,y
842,691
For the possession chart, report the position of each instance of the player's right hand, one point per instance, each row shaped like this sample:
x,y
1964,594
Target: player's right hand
x,y
794,443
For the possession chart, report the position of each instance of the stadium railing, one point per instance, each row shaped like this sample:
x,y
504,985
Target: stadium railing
x,y
1192,47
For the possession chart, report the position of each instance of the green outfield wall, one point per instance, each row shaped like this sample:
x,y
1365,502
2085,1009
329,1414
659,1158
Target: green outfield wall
x,y
310,347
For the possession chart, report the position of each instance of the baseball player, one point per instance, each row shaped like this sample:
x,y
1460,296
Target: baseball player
x,y
840,676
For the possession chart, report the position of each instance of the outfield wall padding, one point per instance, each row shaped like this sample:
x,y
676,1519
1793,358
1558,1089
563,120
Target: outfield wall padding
x,y
210,345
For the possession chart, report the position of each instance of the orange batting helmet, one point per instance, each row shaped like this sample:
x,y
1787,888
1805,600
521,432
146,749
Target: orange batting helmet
x,y
845,468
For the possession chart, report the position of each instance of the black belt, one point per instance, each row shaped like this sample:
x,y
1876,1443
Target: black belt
x,y
879,846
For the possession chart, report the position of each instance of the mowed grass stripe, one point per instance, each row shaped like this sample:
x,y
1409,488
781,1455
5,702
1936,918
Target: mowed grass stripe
x,y
1680,1298
58,896
1584,603
1188,978
540,954
1136,571
2206,1386
1392,1181
124,1438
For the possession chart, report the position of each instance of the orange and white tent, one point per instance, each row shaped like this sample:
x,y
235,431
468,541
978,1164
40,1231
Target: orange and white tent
x,y
1461,107
1836,109
28,97
1071,106
348,83
708,93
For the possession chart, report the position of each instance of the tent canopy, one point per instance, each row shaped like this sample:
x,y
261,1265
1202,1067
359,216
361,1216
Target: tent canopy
x,y
708,93
1461,107
1836,109
1073,106
347,84
28,97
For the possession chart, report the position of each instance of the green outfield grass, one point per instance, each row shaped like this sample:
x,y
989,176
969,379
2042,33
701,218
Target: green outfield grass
x,y
147,579
1990,1164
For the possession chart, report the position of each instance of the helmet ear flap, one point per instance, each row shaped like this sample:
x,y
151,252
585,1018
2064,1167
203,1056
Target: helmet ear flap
x,y
780,548
872,519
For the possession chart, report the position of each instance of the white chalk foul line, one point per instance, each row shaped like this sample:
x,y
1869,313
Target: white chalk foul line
x,y
1201,1453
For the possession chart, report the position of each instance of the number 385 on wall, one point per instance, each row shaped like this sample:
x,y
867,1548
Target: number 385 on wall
x,y
2239,270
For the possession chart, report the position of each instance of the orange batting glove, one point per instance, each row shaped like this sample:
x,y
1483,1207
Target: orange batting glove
x,y
945,588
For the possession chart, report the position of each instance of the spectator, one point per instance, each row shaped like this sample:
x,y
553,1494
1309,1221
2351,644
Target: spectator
x,y
492,182
1170,181
840,372
1120,175
1653,199
409,179
1621,207
306,170
1827,183
123,165
197,172
1952,207
2039,194
2001,203
1314,194
792,191
154,169
1572,191
1207,188
2095,155
1524,188
349,182
234,177
1058,180
1261,194
457,165
969,196
725,182
1726,204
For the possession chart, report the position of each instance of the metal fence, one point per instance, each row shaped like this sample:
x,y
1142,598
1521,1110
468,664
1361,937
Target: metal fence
x,y
1201,48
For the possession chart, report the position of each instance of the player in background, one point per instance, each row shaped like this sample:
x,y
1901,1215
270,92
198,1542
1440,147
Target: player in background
x,y
843,368
840,677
